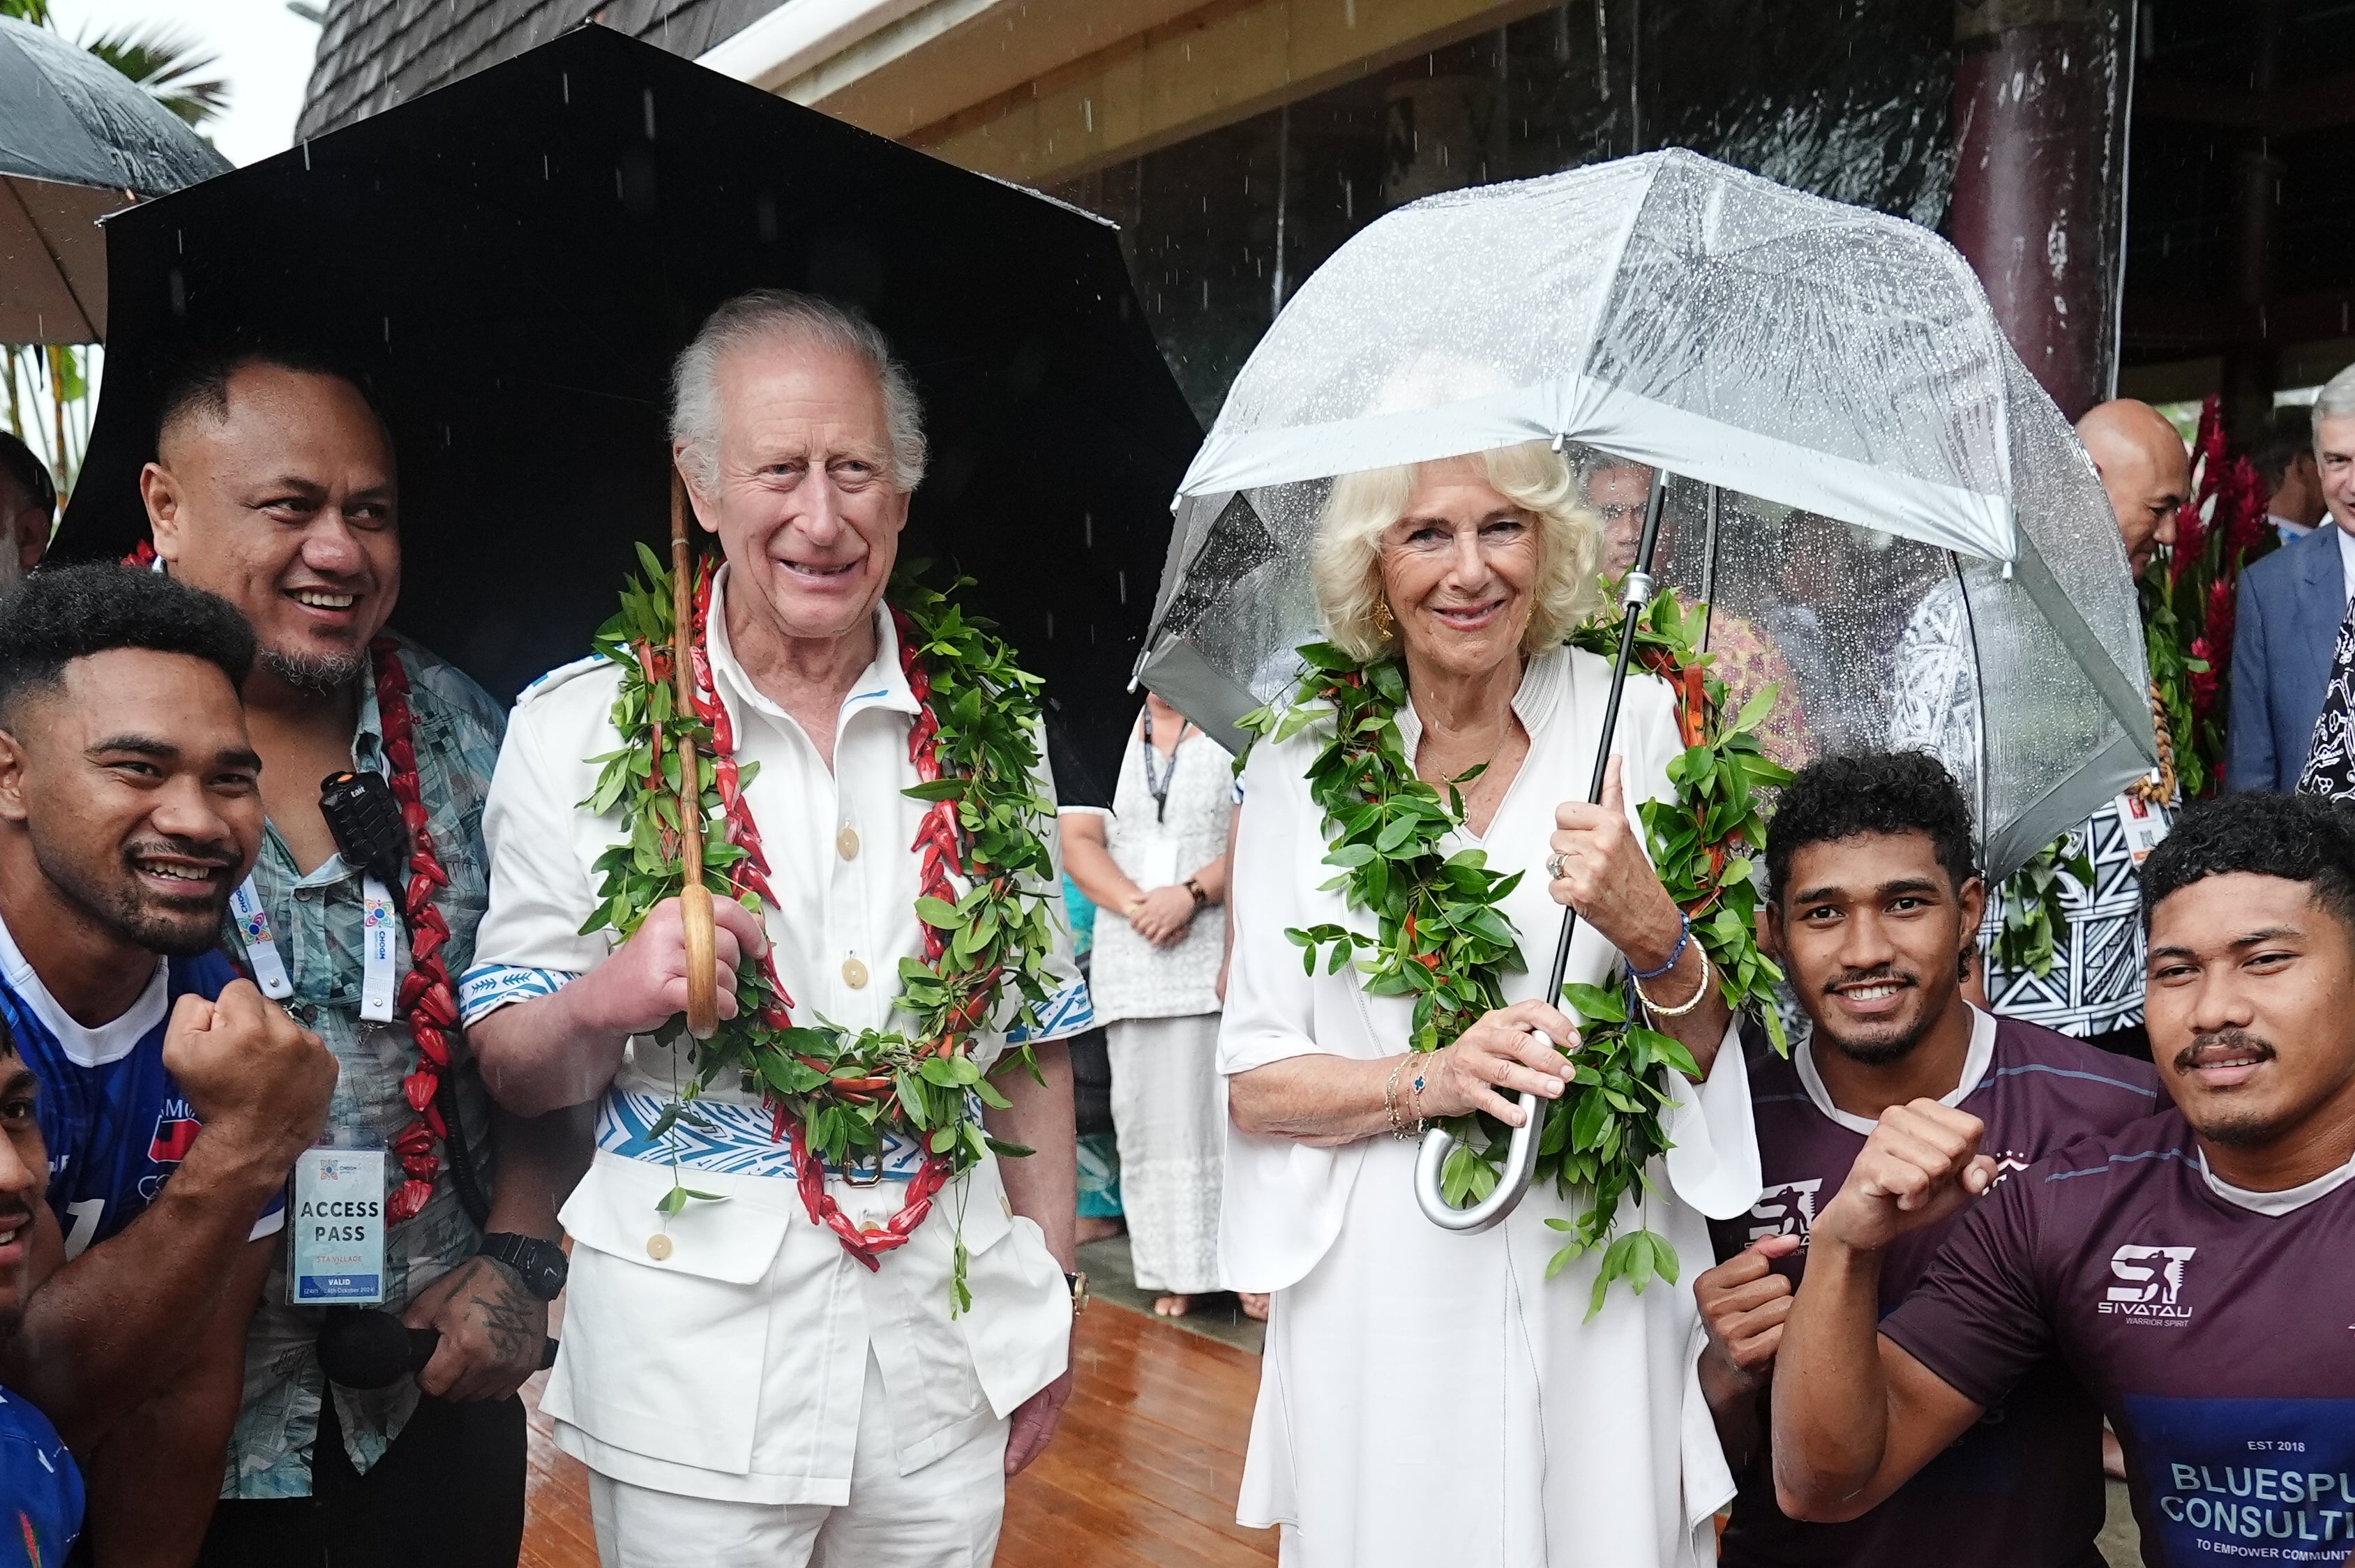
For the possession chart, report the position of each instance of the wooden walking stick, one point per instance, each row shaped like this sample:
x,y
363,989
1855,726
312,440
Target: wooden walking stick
x,y
694,899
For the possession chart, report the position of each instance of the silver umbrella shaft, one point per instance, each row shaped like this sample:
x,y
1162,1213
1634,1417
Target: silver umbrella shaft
x,y
1521,1152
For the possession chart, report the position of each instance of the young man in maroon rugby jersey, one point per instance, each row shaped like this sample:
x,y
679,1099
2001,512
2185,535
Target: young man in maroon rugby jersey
x,y
1874,903
2196,1271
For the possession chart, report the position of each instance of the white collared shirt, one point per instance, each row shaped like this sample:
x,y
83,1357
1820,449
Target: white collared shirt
x,y
752,1297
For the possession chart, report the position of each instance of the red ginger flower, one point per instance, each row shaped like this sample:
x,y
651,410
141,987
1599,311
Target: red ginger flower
x,y
2204,682
2190,539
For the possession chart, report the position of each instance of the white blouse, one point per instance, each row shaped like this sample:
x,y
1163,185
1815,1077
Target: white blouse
x,y
1132,978
1283,1199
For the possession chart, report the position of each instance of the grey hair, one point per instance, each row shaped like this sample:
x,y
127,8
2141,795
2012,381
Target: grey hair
x,y
2336,400
768,315
1346,561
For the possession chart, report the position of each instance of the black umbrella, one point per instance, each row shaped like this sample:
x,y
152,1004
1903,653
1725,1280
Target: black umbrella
x,y
78,139
513,260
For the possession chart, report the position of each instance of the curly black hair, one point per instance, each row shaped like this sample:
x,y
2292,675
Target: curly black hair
x,y
2297,837
63,613
1871,792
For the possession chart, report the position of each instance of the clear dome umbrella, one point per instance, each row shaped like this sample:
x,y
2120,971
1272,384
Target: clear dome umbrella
x,y
1859,472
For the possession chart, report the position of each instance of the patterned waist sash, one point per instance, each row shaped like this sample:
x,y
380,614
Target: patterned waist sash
x,y
712,1135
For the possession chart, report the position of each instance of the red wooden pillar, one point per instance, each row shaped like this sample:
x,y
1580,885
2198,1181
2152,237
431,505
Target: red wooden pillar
x,y
2040,179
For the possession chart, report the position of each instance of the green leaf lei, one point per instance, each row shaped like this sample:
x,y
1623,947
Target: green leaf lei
x,y
988,878
1441,937
2035,905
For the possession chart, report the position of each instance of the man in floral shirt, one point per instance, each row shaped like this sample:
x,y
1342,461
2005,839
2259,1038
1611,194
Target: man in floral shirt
x,y
274,486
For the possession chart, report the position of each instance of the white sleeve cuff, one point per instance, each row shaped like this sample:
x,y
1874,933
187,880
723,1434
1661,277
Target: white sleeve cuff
x,y
486,987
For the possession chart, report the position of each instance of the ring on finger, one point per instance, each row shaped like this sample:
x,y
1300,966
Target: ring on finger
x,y
1555,864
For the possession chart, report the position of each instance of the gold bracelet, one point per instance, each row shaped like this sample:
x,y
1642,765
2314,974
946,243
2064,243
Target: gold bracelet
x,y
1659,1011
1390,1099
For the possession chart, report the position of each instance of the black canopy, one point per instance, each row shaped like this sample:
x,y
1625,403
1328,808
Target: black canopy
x,y
512,261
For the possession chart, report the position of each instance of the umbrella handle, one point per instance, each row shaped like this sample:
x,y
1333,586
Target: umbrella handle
x,y
1521,1163
697,928
695,918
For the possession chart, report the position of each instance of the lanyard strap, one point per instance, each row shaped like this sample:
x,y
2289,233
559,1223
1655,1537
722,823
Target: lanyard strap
x,y
378,924
261,950
1158,786
378,947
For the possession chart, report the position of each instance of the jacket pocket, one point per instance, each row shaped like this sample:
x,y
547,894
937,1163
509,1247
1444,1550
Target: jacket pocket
x,y
663,1357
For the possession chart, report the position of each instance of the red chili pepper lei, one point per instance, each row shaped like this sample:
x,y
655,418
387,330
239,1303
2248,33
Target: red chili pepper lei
x,y
427,995
942,854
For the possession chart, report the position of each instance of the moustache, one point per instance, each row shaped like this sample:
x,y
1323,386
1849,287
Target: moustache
x,y
183,848
1888,974
2222,1043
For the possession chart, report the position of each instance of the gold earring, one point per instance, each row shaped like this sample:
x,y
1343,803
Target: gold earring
x,y
1384,624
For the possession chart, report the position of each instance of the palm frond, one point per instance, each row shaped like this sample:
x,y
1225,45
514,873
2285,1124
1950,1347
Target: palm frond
x,y
168,63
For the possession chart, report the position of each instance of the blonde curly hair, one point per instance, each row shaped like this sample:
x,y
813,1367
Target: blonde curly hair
x,y
1348,559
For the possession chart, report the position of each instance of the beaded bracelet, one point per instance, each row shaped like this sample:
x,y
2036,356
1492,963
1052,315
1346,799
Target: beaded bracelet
x,y
1673,959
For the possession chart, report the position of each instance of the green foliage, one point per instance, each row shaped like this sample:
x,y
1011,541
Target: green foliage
x,y
167,64
2034,909
2170,616
849,1090
1440,936
1442,939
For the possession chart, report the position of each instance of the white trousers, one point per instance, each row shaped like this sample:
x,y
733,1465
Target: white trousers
x,y
1169,1111
944,1515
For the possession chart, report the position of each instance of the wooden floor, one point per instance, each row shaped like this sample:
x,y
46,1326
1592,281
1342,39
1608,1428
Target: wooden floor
x,y
1142,1475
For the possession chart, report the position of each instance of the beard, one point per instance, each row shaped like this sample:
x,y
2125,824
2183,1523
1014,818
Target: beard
x,y
1880,1051
174,926
320,675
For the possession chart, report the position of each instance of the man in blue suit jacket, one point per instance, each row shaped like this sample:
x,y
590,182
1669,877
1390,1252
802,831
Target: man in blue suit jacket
x,y
2291,604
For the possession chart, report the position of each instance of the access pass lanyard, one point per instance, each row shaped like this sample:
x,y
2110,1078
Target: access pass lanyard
x,y
379,921
261,951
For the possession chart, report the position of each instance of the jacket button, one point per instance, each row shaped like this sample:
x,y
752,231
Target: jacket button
x,y
853,973
845,843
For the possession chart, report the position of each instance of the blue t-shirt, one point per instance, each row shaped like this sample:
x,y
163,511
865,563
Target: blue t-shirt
x,y
116,1122
41,1489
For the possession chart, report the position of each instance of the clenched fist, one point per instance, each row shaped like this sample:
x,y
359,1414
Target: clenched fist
x,y
258,1080
1742,1304
1921,1164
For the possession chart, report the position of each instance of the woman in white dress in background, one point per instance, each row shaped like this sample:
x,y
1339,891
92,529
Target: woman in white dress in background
x,y
1158,862
1430,1397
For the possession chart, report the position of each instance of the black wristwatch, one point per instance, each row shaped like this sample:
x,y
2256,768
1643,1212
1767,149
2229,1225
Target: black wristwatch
x,y
542,1264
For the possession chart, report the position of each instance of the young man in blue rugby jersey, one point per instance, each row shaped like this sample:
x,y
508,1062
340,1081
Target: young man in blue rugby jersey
x,y
173,1099
41,1486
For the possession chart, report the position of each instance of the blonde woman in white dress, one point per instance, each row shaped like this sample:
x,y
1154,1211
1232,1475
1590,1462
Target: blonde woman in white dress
x,y
1157,863
1429,1397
